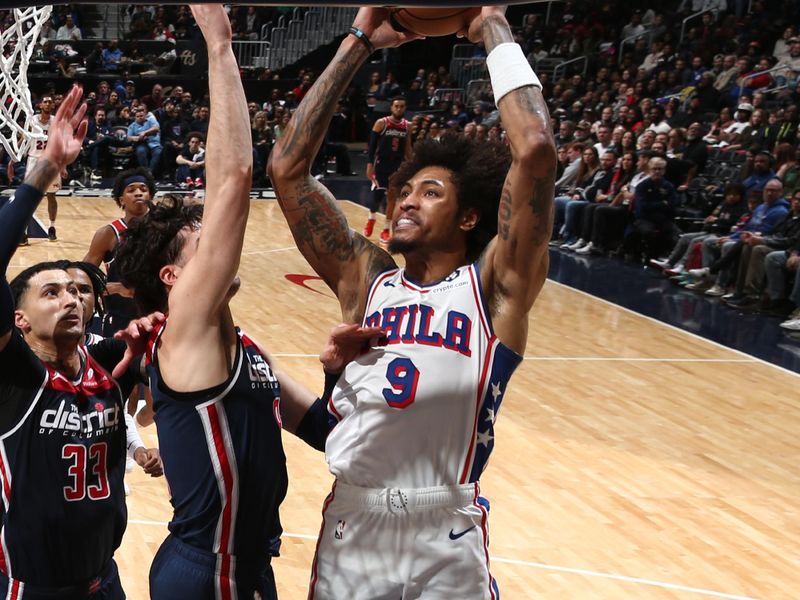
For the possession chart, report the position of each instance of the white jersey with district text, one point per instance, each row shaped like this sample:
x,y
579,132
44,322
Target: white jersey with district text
x,y
420,411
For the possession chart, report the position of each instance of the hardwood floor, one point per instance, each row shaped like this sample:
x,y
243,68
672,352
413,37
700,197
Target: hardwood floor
x,y
632,460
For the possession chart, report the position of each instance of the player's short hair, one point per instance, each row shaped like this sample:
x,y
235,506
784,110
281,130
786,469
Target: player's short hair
x,y
149,243
479,171
19,285
98,279
120,182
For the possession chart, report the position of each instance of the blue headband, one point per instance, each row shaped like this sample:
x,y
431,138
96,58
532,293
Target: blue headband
x,y
135,179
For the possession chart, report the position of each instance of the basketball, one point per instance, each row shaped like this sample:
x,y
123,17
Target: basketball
x,y
433,21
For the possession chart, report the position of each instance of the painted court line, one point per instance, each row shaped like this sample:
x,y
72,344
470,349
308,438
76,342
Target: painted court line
x,y
543,566
269,251
587,358
689,333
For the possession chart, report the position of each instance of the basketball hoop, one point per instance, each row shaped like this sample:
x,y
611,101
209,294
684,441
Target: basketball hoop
x,y
16,112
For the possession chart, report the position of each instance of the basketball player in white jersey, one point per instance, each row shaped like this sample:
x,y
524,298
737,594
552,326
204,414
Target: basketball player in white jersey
x,y
42,119
414,419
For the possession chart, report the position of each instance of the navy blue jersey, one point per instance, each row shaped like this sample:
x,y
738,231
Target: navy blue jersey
x,y
62,460
223,457
120,309
391,147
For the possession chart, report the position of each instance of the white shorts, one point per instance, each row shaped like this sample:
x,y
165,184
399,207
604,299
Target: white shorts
x,y
393,544
54,187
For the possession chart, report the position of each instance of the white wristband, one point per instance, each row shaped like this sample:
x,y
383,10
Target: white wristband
x,y
509,70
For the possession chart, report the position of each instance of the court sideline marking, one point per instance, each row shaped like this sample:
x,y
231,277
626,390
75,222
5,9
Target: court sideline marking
x,y
675,328
544,566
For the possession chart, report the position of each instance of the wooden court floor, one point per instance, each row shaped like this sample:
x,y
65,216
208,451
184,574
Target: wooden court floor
x,y
632,460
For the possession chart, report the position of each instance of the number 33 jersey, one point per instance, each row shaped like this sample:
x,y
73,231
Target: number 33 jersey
x,y
420,411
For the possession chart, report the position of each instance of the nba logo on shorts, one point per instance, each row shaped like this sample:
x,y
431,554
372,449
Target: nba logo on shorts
x,y
339,532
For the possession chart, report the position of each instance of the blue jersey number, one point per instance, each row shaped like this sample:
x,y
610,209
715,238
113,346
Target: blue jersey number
x,y
403,377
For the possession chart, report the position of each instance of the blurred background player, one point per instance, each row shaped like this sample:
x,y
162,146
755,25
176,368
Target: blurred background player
x,y
389,145
133,192
42,119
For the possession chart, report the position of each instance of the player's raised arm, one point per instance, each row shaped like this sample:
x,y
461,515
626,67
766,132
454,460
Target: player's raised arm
x,y
345,260
67,131
203,286
516,262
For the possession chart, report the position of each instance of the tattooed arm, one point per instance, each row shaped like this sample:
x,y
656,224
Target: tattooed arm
x,y
345,260
515,263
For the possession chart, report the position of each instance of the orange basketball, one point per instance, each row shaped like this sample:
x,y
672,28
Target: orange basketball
x,y
433,21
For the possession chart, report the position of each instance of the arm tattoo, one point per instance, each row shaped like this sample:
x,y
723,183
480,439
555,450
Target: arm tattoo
x,y
42,175
505,212
541,204
319,227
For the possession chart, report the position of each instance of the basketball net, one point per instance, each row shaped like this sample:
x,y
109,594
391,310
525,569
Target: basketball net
x,y
19,130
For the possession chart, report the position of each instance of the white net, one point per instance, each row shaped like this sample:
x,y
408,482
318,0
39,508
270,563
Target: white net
x,y
16,112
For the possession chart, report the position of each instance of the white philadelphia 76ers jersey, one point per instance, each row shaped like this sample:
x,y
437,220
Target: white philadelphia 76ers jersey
x,y
420,411
38,145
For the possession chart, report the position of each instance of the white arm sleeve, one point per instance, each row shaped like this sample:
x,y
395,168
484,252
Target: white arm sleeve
x,y
132,435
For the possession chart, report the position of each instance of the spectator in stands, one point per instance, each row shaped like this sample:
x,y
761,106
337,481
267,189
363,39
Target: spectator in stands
x,y
69,32
653,228
588,167
720,254
751,272
634,27
752,136
722,218
144,133
305,84
658,123
730,135
579,213
173,135
565,135
154,99
612,218
762,173
191,162
778,266
141,22
112,106
200,124
790,65
731,69
96,143
263,139
789,171
782,46
603,139
113,59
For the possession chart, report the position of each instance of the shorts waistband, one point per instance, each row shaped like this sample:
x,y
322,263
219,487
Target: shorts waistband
x,y
406,500
208,560
81,590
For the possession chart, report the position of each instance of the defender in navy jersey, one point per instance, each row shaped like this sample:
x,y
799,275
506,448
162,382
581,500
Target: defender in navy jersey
x,y
133,192
62,433
219,407
389,146
416,419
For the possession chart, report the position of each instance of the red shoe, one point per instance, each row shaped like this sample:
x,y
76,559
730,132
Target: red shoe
x,y
385,236
369,227
198,183
189,182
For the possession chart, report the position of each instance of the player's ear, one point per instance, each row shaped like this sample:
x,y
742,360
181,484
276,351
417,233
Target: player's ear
x,y
168,274
21,321
469,219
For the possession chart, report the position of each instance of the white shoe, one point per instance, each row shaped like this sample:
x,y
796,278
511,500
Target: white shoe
x,y
575,246
715,290
659,264
704,272
127,487
676,270
587,249
130,464
566,246
791,325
